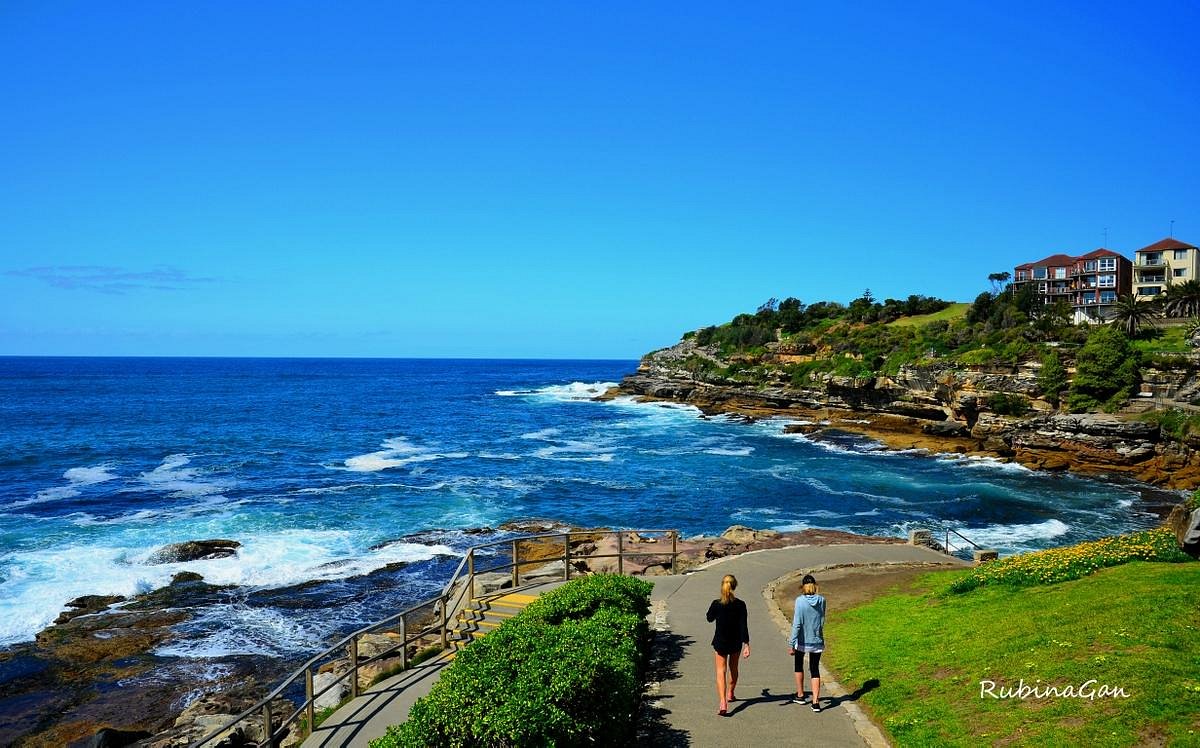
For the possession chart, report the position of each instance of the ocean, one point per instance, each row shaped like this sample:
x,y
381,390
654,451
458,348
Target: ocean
x,y
322,468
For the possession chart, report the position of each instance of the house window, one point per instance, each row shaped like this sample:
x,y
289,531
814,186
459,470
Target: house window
x,y
1108,263
1149,290
1180,272
1108,281
1108,297
1181,254
1060,272
1041,288
1022,275
1039,273
1089,265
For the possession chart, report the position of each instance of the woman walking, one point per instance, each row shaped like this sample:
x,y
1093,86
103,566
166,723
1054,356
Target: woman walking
x,y
808,636
731,640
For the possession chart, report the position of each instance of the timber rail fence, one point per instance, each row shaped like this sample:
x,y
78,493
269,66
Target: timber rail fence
x,y
444,607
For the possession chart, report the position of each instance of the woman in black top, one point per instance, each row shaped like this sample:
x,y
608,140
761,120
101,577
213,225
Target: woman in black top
x,y
731,640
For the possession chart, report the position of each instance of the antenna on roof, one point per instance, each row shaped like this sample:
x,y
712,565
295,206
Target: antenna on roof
x,y
1172,233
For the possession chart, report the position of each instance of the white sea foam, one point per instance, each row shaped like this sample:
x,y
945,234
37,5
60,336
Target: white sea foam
x,y
77,478
173,477
1019,536
730,451
575,391
541,435
981,462
36,585
396,452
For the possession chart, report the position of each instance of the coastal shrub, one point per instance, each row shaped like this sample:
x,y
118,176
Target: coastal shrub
x,y
1174,423
1052,379
1072,562
565,671
1106,371
1006,404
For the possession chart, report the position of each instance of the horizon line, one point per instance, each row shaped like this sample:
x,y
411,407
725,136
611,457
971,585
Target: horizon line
x,y
314,358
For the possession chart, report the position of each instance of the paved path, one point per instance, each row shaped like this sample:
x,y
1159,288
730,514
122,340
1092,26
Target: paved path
x,y
763,716
688,698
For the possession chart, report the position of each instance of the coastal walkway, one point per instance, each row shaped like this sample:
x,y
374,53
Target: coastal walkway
x,y
763,714
684,701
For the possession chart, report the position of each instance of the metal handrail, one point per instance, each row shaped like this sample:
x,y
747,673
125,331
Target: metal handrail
x,y
951,549
442,605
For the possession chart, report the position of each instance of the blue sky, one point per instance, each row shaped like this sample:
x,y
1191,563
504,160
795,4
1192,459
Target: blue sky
x,y
560,179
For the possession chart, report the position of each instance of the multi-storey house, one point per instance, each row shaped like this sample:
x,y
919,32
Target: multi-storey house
x,y
1162,263
1089,284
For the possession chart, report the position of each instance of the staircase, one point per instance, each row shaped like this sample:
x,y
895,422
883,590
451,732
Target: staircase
x,y
484,615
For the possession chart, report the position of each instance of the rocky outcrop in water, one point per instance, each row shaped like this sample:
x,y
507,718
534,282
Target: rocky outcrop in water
x,y
937,407
194,550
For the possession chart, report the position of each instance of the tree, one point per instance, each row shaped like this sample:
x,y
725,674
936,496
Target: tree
x,y
1106,370
998,280
1133,314
1183,299
1052,379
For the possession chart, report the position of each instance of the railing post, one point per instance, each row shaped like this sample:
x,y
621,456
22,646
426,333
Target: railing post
x,y
354,667
566,556
445,636
470,575
620,552
403,643
310,709
516,574
267,734
674,551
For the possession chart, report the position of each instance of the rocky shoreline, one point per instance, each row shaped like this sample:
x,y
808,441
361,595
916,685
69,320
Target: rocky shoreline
x,y
935,409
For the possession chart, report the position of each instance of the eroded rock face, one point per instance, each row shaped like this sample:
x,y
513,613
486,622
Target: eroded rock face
x,y
194,550
939,408
743,534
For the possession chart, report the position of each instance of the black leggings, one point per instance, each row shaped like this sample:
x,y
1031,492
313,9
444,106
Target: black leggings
x,y
814,663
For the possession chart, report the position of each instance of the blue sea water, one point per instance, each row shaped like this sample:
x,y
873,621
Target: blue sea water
x,y
321,467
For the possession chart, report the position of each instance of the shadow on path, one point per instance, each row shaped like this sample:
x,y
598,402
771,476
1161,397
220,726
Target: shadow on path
x,y
868,685
782,699
666,650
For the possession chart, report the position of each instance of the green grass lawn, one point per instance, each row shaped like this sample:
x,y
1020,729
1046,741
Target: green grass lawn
x,y
1135,626
1170,337
949,314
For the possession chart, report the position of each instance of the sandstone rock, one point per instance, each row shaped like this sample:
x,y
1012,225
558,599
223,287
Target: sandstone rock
x,y
371,645
334,695
194,550
741,534
486,584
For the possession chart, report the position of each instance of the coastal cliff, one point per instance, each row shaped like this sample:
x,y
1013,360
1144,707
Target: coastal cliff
x,y
941,407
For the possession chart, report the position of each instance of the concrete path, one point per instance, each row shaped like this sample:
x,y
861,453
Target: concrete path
x,y
687,700
762,716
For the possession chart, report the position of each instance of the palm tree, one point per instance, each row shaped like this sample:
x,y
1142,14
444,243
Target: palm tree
x,y
1133,313
1183,299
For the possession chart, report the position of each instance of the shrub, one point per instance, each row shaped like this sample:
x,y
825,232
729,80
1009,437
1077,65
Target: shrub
x,y
565,671
1072,562
1005,404
1106,370
1052,379
1174,423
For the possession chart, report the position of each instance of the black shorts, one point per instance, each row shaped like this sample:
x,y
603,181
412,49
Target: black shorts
x,y
726,649
814,663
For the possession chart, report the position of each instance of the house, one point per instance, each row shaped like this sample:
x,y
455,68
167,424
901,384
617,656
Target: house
x,y
1162,263
1089,284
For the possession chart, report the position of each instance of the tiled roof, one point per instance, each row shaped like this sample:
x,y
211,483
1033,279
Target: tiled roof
x,y
1056,261
1164,244
1102,252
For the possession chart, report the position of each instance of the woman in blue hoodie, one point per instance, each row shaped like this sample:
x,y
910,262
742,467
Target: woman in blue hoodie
x,y
808,635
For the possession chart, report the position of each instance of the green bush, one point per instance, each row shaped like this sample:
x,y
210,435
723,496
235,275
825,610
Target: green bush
x,y
564,672
1005,404
1072,562
1052,379
1174,423
1106,371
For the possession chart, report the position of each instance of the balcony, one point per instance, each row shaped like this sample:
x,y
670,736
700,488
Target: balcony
x,y
1156,278
1150,264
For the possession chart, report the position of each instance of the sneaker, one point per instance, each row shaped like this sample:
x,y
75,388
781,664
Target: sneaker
x,y
800,698
816,707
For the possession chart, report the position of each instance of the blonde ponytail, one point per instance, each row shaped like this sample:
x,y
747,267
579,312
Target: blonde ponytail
x,y
728,585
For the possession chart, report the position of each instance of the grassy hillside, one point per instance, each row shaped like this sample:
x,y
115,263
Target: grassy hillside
x,y
956,311
1135,627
